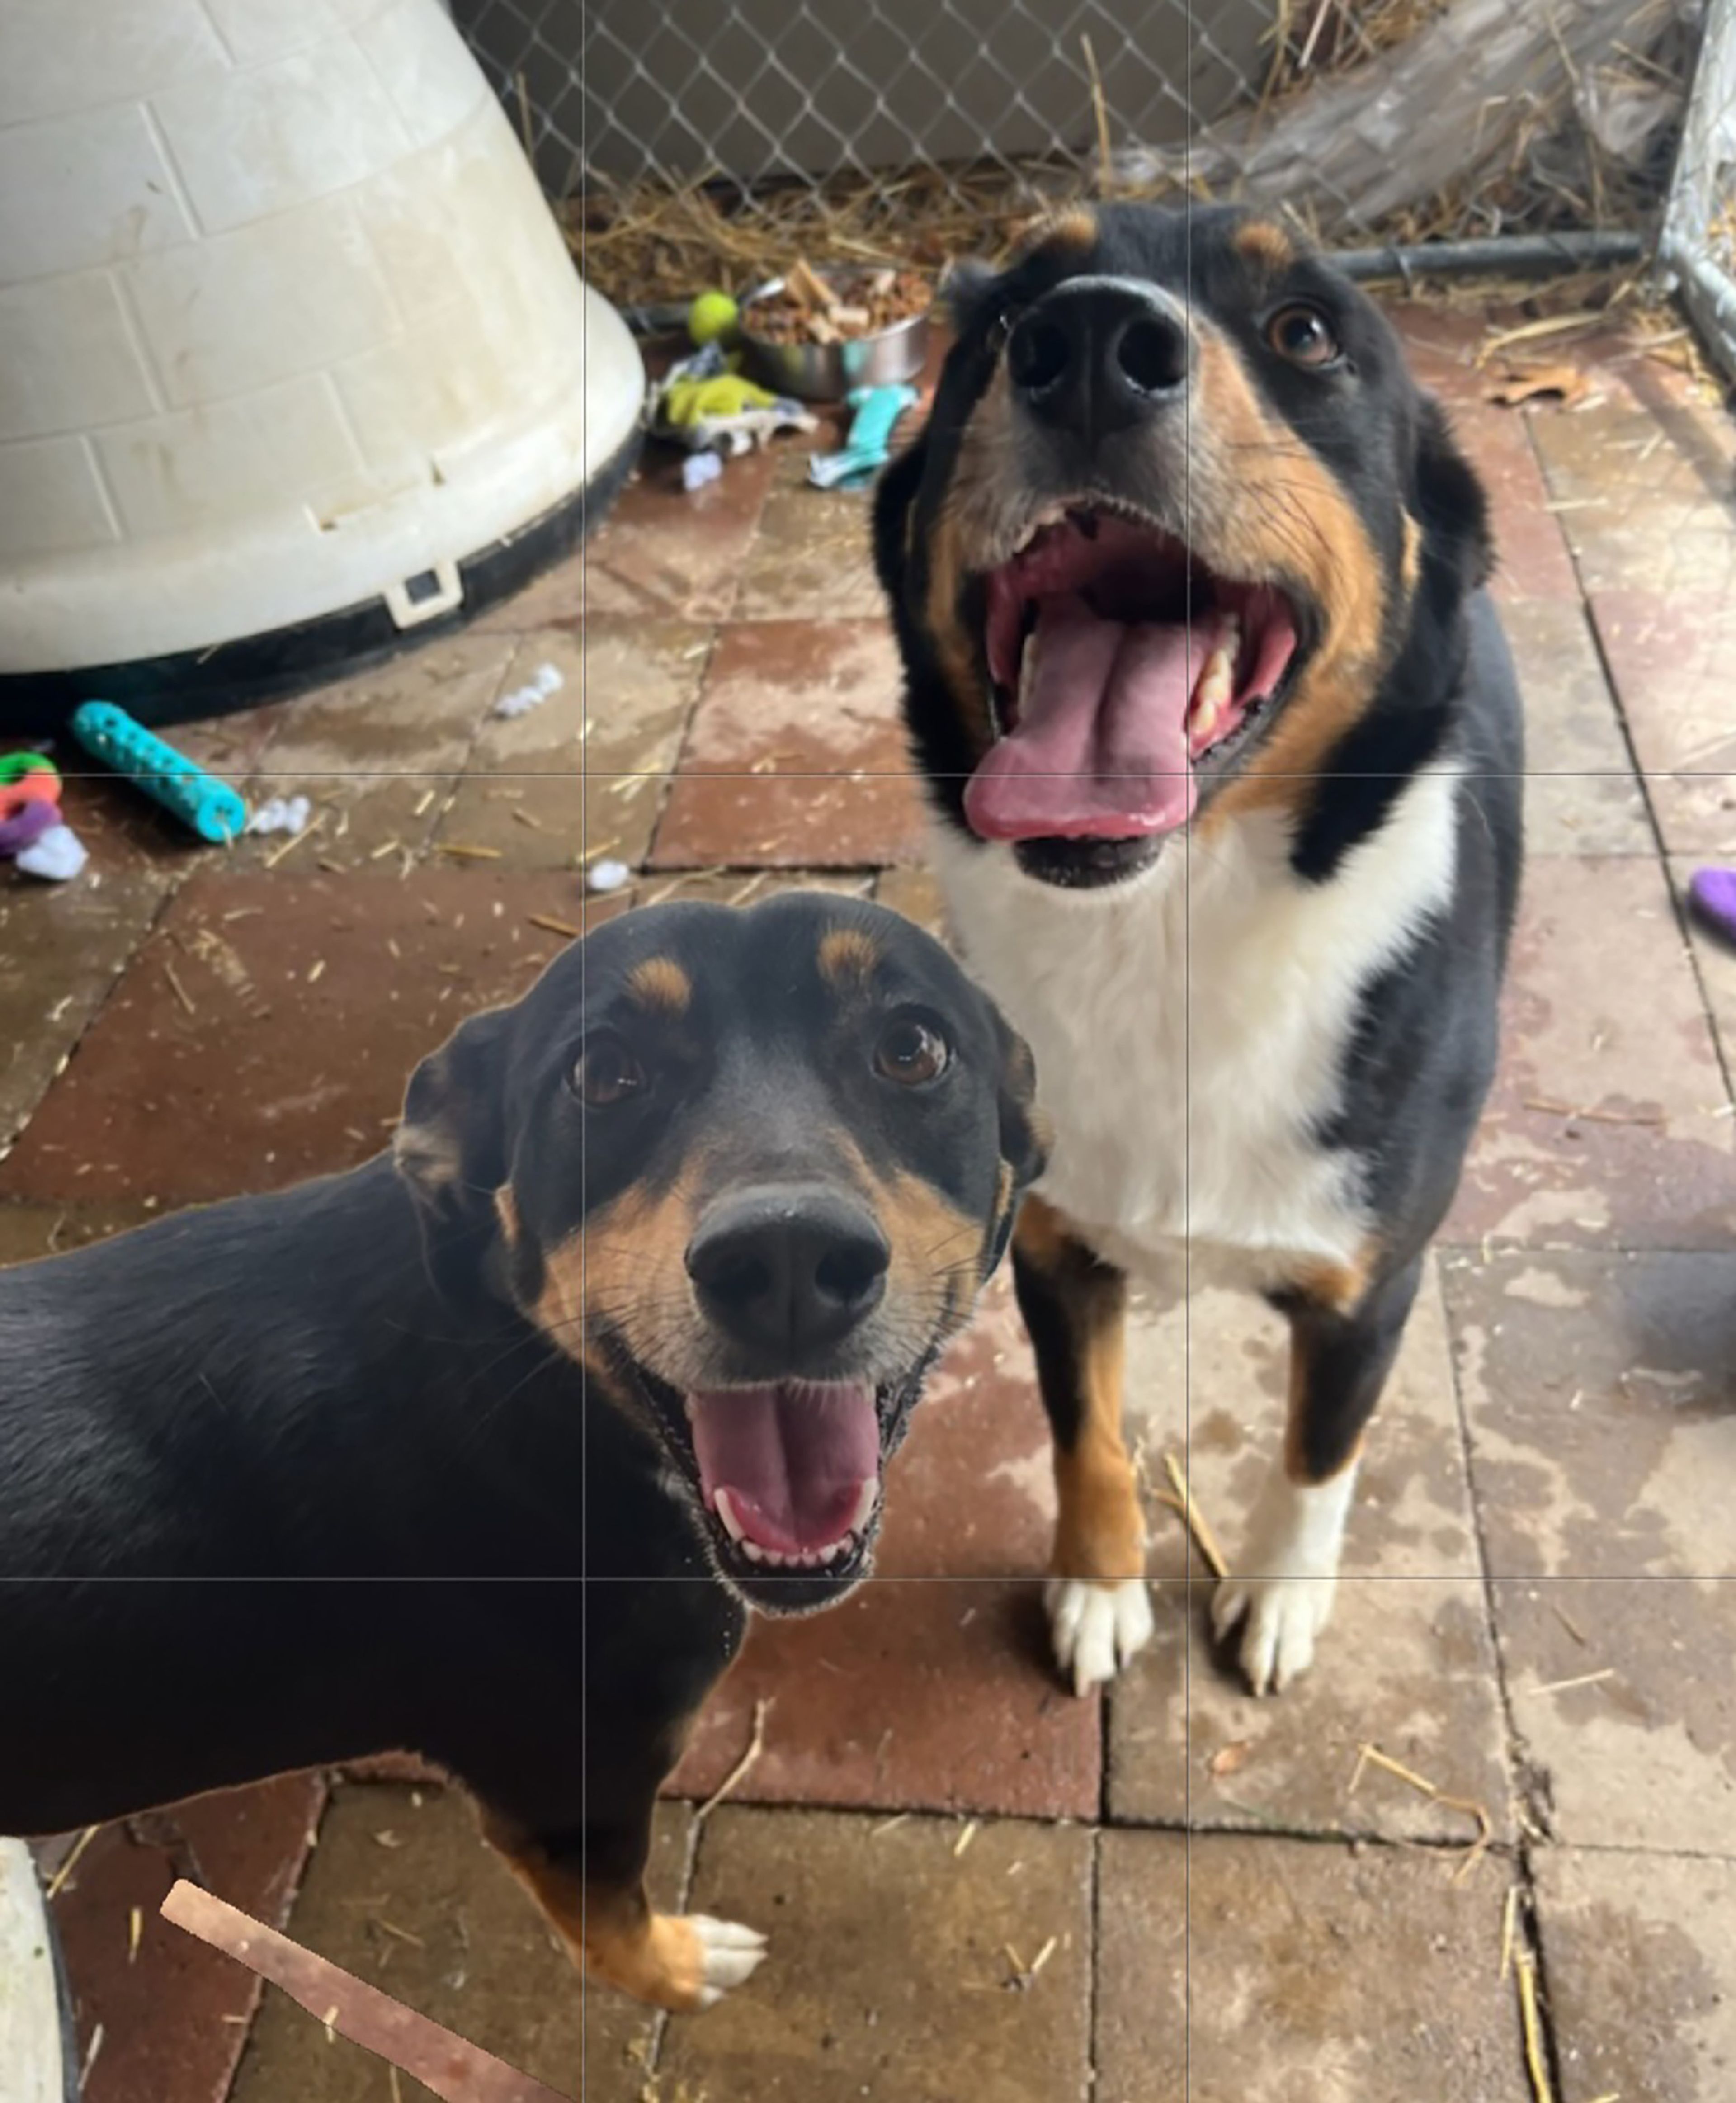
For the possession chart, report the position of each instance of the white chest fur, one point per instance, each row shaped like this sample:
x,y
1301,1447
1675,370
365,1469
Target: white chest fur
x,y
1190,1028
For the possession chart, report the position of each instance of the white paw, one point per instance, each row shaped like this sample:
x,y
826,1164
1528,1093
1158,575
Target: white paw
x,y
729,1954
1096,1628
1281,1618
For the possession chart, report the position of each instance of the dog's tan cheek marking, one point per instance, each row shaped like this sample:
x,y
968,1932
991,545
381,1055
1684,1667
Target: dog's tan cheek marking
x,y
506,1211
626,1264
936,1248
1099,1531
1289,513
660,986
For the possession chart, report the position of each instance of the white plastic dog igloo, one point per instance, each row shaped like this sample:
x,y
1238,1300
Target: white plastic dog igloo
x,y
294,361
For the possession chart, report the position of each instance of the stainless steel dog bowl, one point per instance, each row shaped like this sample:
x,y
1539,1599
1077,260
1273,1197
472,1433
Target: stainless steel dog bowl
x,y
827,371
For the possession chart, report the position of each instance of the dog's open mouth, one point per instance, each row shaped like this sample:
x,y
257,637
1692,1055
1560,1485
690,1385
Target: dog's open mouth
x,y
789,1474
1119,661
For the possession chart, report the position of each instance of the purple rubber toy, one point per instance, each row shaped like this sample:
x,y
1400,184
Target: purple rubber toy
x,y
1712,894
27,824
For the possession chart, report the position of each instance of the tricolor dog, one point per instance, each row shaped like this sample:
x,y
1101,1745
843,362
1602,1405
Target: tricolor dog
x,y
486,1448
1223,750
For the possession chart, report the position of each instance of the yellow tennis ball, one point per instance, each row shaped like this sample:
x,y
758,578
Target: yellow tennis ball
x,y
712,314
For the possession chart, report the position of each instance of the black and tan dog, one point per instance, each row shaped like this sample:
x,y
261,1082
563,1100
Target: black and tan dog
x,y
1224,747
484,1448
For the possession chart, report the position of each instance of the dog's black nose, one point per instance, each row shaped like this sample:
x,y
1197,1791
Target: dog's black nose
x,y
787,1270
1100,354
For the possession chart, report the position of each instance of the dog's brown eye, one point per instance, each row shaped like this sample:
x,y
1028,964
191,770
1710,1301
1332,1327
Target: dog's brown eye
x,y
607,1073
911,1051
1303,335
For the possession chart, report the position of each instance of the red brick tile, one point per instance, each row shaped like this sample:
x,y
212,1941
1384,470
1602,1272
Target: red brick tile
x,y
62,946
1532,556
1644,499
601,746
892,1971
797,754
1244,1967
1596,1393
868,1695
970,1493
1641,1955
1628,1712
376,753
438,1921
30,1232
1652,1166
303,1029
174,2016
661,551
1582,795
1669,655
812,558
911,1695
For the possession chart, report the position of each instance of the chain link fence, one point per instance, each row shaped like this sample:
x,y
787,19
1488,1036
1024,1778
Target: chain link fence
x,y
707,141
1698,243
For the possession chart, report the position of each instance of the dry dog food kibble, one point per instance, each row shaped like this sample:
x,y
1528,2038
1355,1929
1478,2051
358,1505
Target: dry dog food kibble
x,y
810,308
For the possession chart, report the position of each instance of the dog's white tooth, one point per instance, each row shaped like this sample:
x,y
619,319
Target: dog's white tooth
x,y
753,1552
1027,670
866,1501
1217,684
1203,720
727,1518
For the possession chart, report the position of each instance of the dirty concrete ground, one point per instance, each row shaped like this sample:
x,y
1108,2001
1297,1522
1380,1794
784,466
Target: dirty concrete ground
x,y
977,1887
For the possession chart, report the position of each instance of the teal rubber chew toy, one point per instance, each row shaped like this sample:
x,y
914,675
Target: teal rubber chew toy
x,y
214,810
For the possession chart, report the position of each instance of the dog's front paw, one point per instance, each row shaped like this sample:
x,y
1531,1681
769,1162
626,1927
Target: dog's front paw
x,y
1097,1627
1281,1619
700,1959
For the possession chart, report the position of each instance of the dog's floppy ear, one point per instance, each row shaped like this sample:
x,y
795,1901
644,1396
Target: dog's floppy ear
x,y
1024,1131
964,291
894,494
450,1149
1450,505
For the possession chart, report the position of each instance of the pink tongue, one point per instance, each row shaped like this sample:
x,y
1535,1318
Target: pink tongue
x,y
1100,748
793,1458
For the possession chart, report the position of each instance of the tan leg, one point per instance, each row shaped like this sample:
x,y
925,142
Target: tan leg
x,y
1076,1309
680,1961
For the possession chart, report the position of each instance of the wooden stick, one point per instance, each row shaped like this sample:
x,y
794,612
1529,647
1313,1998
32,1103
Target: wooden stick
x,y
448,2065
742,1767
1195,1519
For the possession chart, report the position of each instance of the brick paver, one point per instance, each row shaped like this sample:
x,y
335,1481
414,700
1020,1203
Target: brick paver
x,y
976,1885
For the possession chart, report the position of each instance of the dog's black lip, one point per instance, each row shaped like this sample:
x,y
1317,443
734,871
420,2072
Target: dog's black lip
x,y
774,1591
1087,864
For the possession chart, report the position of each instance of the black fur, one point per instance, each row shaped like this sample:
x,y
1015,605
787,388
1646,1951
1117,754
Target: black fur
x,y
295,1479
1439,684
